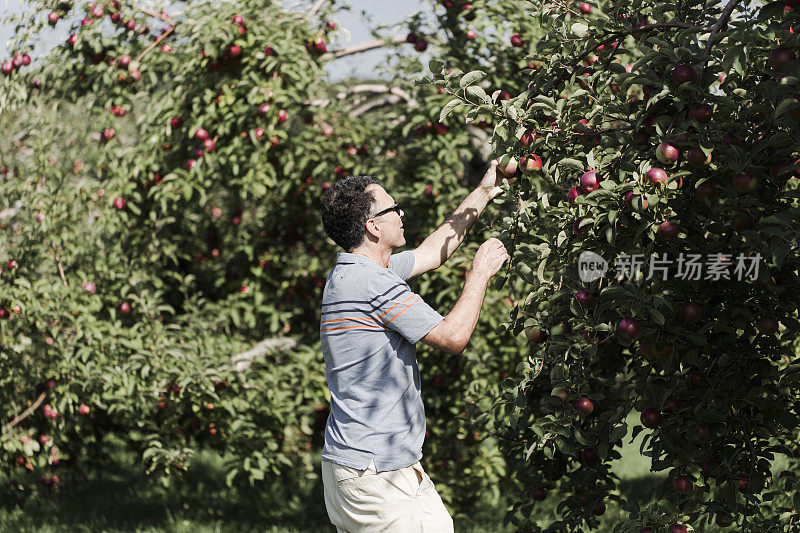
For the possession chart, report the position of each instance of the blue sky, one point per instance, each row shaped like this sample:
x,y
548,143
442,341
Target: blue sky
x,y
363,15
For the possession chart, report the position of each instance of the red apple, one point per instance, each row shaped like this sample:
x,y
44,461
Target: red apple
x,y
705,190
120,203
683,484
83,409
283,116
703,433
741,220
745,182
124,61
124,308
589,181
589,456
651,417
516,40
507,166
471,34
779,57
527,138
577,229
724,519
585,8
667,154
731,140
234,50
530,164
691,312
629,328
667,231
583,405
52,18
702,113
585,298
768,325
671,404
421,45
201,134
536,335
678,528
238,20
573,194
683,74
698,158
561,392
539,494
90,287
743,485
657,175
599,508
637,202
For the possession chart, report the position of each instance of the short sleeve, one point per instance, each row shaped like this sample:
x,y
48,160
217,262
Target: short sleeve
x,y
402,264
397,307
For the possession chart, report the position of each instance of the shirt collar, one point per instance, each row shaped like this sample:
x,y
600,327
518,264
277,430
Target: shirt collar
x,y
344,258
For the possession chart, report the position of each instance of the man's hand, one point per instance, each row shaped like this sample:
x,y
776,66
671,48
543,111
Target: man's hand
x,y
489,181
488,259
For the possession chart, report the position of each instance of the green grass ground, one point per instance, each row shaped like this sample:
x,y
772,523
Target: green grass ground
x,y
119,501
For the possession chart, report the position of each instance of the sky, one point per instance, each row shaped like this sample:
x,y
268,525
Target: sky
x,y
363,15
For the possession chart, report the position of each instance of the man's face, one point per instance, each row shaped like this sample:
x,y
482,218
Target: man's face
x,y
390,224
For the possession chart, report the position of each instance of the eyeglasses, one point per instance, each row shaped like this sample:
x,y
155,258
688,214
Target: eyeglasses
x,y
395,207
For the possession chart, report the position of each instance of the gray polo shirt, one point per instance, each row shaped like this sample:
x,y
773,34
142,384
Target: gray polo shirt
x,y
370,322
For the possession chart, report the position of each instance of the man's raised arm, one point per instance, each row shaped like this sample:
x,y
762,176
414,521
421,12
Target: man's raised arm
x,y
441,244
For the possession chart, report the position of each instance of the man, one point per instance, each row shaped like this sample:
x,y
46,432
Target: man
x,y
371,320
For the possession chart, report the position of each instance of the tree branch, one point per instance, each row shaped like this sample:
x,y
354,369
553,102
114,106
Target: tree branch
x,y
313,11
364,88
242,361
27,412
362,47
161,16
374,104
155,43
58,262
723,20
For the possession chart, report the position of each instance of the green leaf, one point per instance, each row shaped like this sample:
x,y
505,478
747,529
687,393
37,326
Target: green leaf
x,y
449,106
471,77
785,105
436,65
478,92
571,163
579,29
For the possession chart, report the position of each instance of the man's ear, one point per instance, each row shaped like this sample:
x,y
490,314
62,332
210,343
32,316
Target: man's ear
x,y
371,229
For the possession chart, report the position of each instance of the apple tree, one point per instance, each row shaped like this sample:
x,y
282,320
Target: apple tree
x,y
663,139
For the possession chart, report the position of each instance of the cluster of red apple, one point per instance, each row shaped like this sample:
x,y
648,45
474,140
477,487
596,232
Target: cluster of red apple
x,y
18,61
419,41
508,165
430,127
460,8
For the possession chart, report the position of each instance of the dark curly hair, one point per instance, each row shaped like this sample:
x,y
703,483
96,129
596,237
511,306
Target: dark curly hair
x,y
345,208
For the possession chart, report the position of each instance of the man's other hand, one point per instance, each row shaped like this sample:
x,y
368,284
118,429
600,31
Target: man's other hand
x,y
489,181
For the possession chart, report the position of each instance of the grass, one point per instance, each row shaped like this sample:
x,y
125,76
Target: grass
x,y
120,500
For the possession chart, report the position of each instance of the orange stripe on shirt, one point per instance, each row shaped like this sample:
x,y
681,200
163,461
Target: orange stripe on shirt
x,y
395,305
351,327
404,310
341,319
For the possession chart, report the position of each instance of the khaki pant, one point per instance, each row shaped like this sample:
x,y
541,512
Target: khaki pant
x,y
396,501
